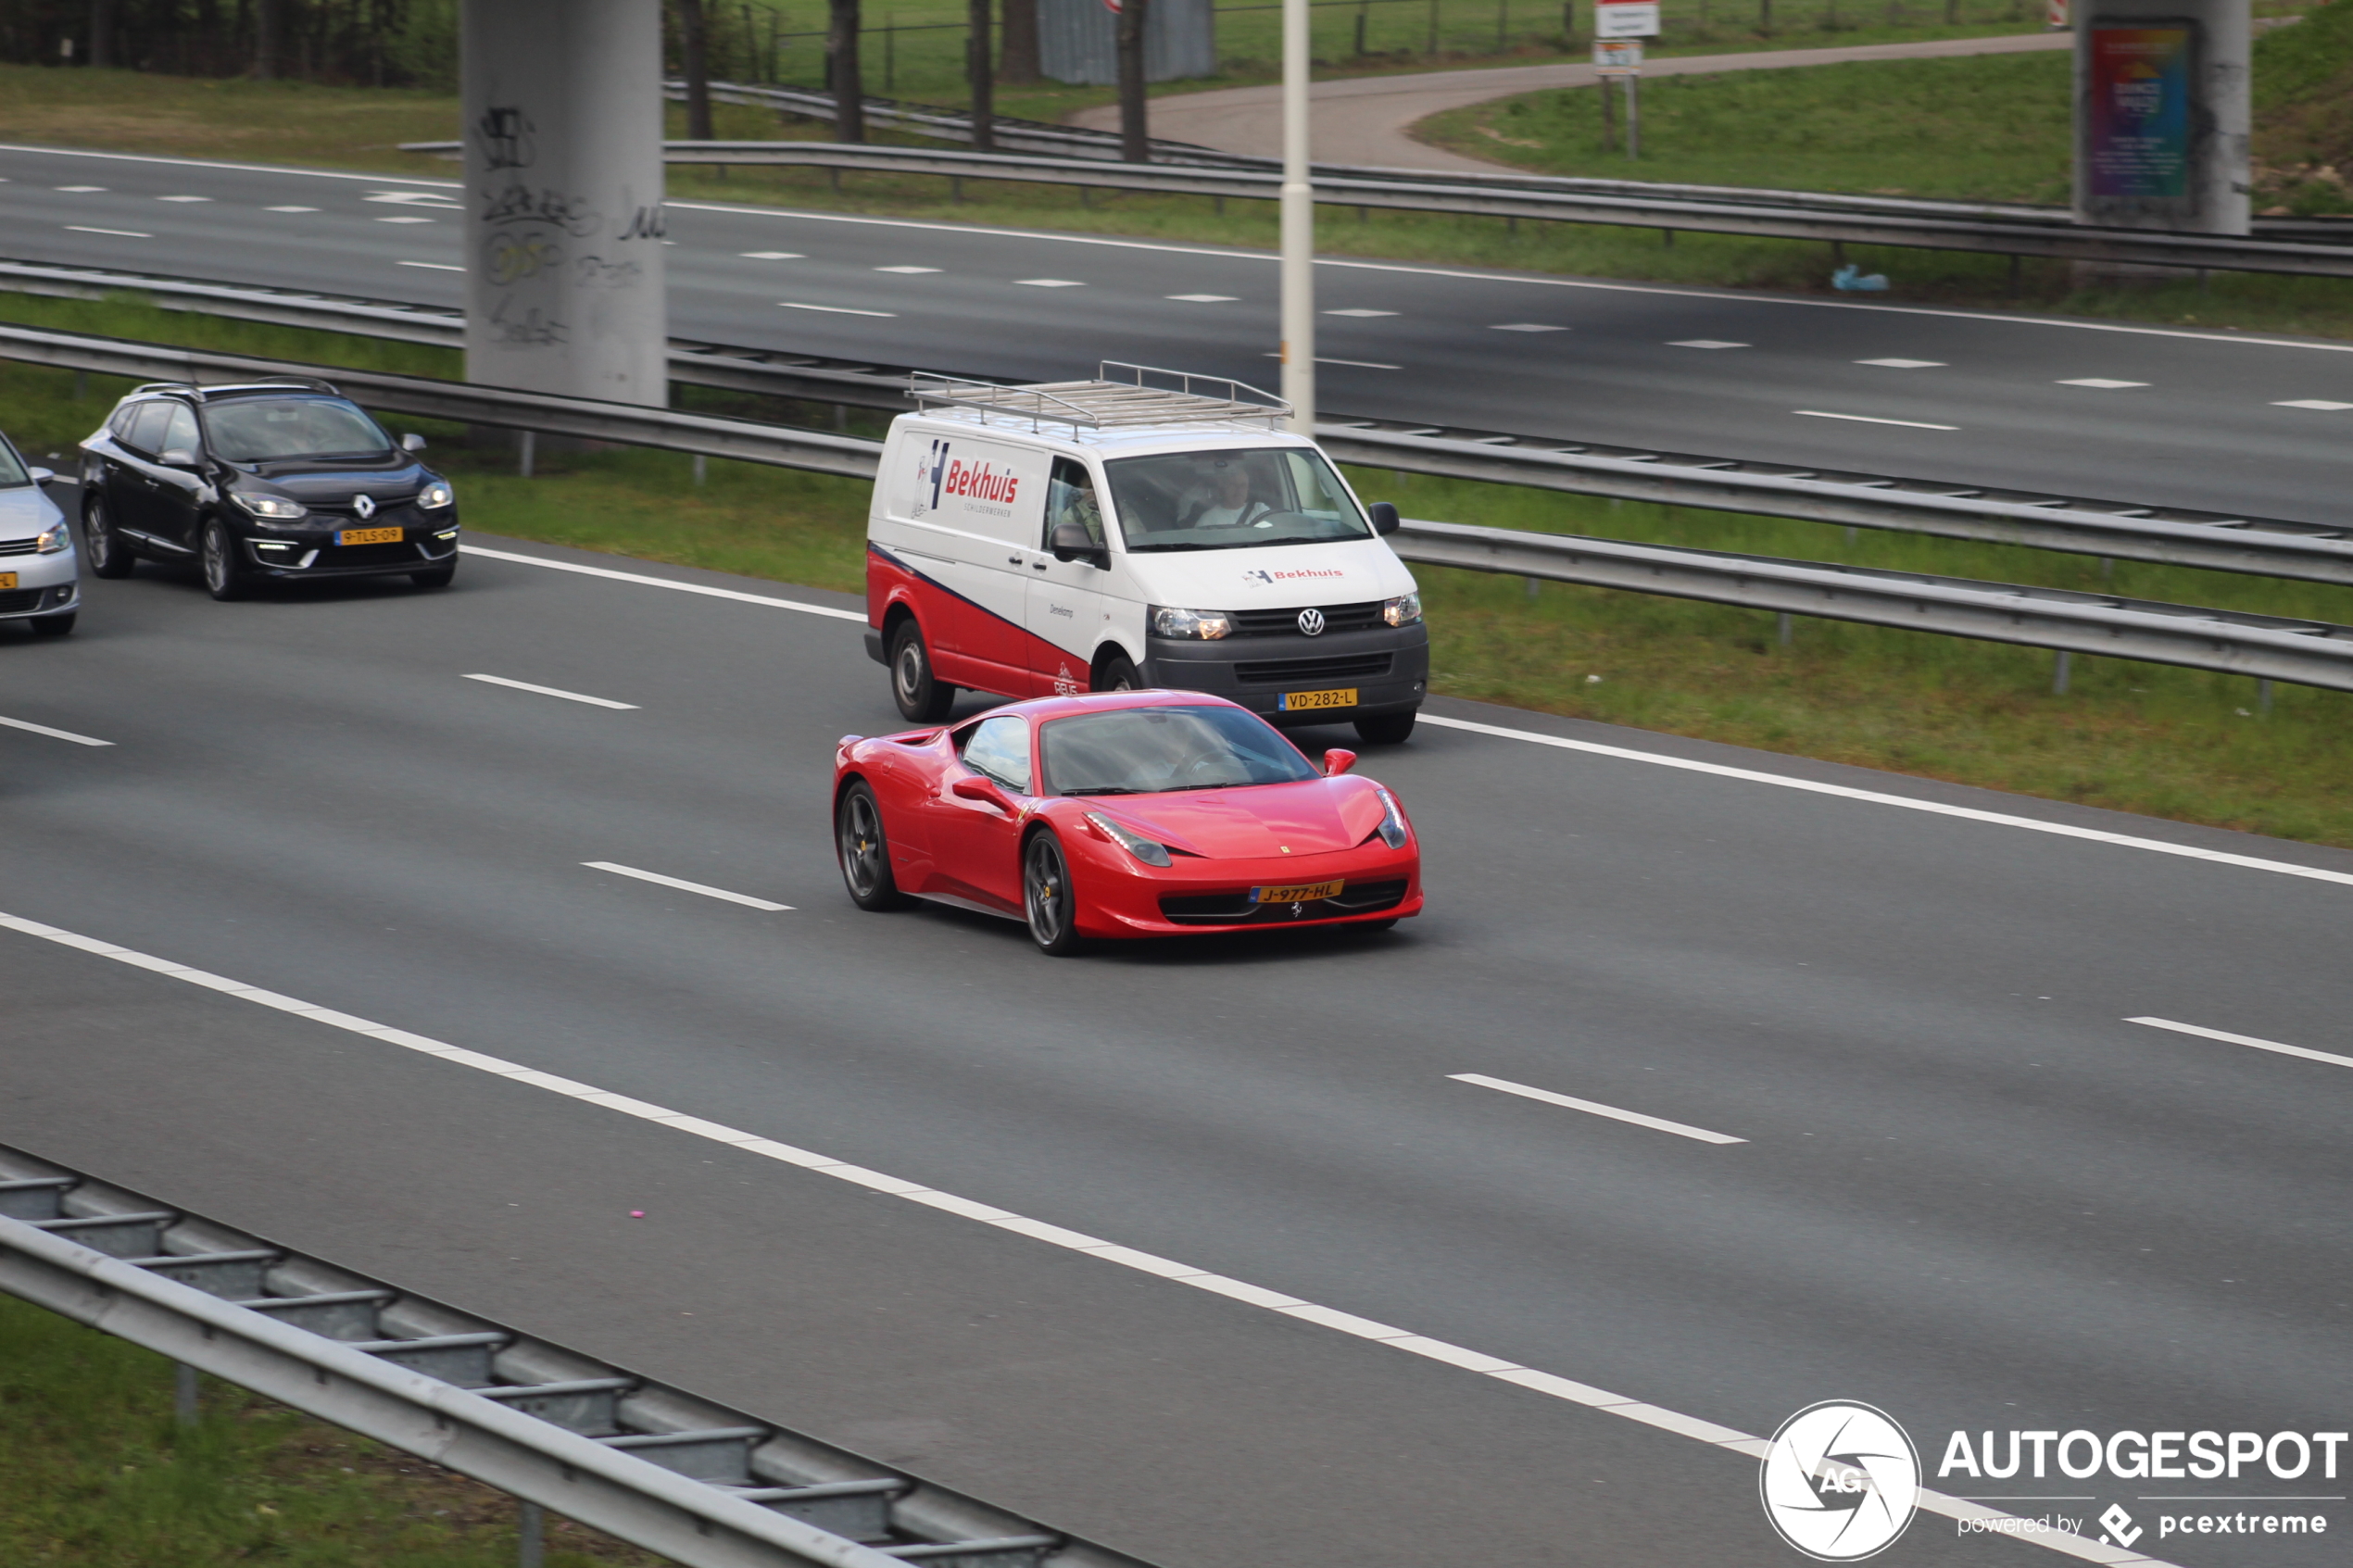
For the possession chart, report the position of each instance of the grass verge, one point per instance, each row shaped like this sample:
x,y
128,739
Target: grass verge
x,y
99,1476
2137,738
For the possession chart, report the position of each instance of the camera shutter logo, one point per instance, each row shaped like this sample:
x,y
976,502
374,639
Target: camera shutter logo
x,y
1839,1480
1311,622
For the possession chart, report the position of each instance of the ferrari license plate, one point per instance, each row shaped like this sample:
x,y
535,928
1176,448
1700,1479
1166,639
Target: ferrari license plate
x,y
1306,893
369,536
7,579
1297,702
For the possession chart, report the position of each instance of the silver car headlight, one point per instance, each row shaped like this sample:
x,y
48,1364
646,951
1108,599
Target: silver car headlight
x,y
276,509
436,495
1169,622
1392,821
1127,838
1402,611
54,540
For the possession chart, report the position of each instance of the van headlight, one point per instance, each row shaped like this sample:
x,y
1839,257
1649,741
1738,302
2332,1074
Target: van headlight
x,y
1206,623
1127,838
1402,611
54,540
435,497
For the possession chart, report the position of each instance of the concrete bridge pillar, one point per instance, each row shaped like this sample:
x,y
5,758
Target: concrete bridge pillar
x,y
2162,113
564,284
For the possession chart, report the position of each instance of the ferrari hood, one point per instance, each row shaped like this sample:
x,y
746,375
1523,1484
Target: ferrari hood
x,y
1311,816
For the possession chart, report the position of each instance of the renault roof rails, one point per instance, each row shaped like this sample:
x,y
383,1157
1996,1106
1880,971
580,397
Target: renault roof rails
x,y
303,383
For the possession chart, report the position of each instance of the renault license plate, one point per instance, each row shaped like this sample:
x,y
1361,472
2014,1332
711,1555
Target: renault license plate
x,y
369,536
1299,702
1305,892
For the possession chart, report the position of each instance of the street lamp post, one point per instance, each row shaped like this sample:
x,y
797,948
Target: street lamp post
x,y
1299,226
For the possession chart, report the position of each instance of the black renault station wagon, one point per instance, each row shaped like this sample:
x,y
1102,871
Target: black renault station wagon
x,y
268,481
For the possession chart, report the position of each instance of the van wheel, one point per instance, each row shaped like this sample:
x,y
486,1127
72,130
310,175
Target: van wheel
x,y
1386,729
1119,675
923,698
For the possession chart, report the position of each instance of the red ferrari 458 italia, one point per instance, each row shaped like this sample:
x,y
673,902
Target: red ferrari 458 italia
x,y
1121,814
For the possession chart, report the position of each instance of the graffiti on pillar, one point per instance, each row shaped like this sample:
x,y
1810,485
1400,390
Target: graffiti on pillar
x,y
524,252
505,138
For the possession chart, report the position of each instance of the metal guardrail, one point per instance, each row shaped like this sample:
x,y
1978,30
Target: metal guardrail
x,y
2311,653
2170,536
697,1482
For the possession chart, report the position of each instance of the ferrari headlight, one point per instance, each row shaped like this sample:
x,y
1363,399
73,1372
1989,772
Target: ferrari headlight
x,y
1209,624
1127,838
276,509
1392,821
437,494
56,538
1402,611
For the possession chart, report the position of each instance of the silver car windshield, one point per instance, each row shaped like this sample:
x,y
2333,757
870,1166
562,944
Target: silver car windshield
x,y
1231,501
262,430
1158,750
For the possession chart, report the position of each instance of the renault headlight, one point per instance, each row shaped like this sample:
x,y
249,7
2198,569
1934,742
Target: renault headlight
x,y
276,509
1127,838
437,494
1208,623
1392,821
1402,611
55,539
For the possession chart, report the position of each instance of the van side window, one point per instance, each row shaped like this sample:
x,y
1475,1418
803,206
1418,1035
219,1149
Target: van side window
x,y
1070,497
999,748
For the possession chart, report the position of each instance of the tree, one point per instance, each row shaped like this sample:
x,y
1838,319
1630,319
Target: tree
x,y
1018,61
841,72
1134,145
101,33
693,57
266,16
980,68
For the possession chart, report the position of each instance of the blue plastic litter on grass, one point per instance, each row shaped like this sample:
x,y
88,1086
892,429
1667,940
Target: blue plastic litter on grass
x,y
1850,278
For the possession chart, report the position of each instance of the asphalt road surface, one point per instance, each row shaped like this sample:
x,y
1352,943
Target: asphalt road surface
x,y
1966,1189
2103,410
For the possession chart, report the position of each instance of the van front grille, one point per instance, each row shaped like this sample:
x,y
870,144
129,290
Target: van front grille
x,y
1285,622
1293,671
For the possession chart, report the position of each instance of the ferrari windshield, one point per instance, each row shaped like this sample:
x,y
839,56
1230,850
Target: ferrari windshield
x,y
1233,500
261,430
1154,750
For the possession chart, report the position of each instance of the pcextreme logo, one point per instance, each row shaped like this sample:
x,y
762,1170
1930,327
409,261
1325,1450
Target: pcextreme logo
x,y
1840,1481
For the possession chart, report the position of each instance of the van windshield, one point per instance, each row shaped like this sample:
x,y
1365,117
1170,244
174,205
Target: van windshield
x,y
1231,501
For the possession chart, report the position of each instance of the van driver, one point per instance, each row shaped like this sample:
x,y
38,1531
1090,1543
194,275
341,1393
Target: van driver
x,y
1224,501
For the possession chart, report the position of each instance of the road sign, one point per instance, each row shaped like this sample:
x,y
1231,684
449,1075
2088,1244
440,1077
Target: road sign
x,y
1625,19
1617,57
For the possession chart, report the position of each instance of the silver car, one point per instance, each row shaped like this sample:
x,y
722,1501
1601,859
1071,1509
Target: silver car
x,y
39,569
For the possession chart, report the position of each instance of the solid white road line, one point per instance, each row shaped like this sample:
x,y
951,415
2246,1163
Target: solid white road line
x,y
1598,1399
2229,1039
552,691
118,234
2318,404
54,735
642,580
1679,1129
1908,803
2101,383
743,899
1870,420
1905,364
836,310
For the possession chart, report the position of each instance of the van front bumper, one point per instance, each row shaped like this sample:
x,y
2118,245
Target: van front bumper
x,y
1388,668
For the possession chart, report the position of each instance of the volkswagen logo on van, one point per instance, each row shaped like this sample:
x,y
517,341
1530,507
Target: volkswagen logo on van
x,y
1311,622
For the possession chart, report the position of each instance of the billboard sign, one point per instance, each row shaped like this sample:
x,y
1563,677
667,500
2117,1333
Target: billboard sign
x,y
2137,121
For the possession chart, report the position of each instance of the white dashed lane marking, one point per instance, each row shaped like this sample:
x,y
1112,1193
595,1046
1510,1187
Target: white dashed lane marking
x,y
404,218
1525,326
771,255
183,198
289,209
2318,404
1680,1129
27,725
833,310
2230,1039
1704,343
1050,282
79,190
906,268
433,265
1360,312
1905,364
1351,364
744,898
552,691
118,234
1870,420
1206,298
2101,383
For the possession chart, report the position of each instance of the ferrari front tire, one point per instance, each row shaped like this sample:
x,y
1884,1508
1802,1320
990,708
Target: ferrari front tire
x,y
923,696
865,851
1046,896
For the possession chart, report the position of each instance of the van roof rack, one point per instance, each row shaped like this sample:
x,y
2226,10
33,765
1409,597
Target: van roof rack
x,y
1120,395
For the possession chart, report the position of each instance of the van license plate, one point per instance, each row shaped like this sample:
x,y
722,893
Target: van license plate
x,y
369,536
7,579
1299,702
1308,894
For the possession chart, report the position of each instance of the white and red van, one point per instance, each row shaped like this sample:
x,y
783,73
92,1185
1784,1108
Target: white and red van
x,y
1121,533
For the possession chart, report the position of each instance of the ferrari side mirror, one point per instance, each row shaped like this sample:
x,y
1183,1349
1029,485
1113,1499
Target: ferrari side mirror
x,y
1384,517
985,790
1337,760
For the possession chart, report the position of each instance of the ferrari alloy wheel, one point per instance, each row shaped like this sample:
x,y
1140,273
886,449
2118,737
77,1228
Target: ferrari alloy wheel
x,y
1046,896
922,697
109,556
223,579
865,851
